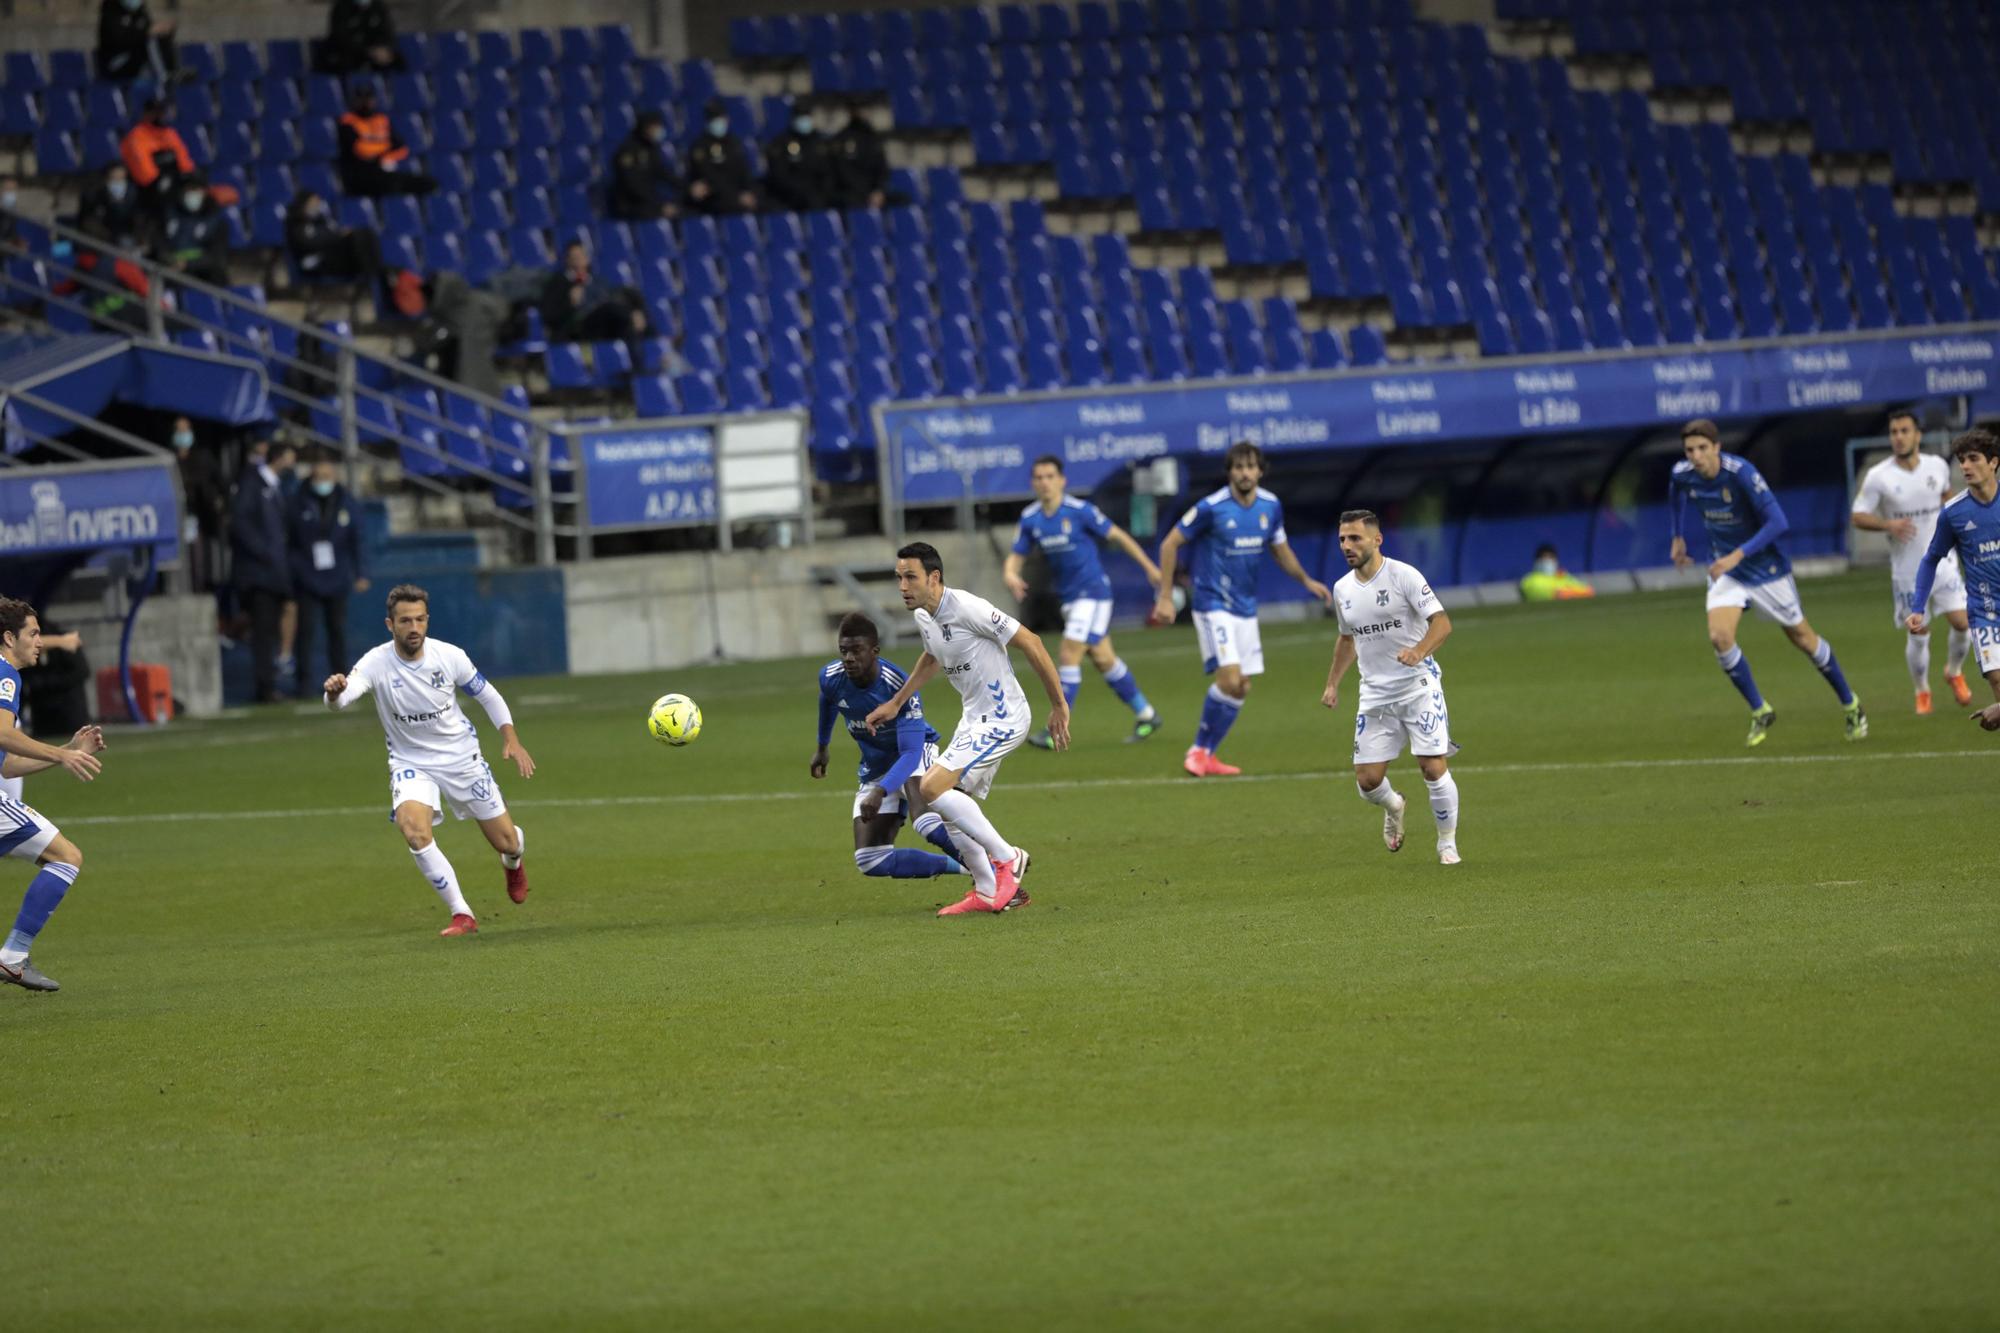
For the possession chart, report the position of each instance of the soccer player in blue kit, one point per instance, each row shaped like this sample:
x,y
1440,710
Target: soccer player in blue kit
x,y
1970,525
891,759
1230,531
1068,532
1746,568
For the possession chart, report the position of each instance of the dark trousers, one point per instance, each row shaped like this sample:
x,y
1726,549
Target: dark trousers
x,y
333,611
265,608
369,181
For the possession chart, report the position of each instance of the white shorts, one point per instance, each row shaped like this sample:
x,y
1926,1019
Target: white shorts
x,y
1087,619
24,831
1228,640
1947,594
975,752
892,802
472,791
1421,721
1777,600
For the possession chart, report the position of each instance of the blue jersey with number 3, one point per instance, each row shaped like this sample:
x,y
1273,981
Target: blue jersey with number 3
x,y
1229,540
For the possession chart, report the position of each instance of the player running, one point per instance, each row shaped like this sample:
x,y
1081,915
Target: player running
x,y
434,748
1391,623
967,638
1901,495
1230,530
851,689
1970,526
25,832
1069,532
1746,568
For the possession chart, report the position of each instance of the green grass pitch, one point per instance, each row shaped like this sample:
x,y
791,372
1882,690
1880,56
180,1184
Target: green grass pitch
x,y
1695,1038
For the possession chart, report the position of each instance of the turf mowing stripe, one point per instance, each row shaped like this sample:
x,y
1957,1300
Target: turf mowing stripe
x,y
1310,775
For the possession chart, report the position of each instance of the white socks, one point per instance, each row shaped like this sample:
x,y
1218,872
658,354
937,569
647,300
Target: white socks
x,y
1383,794
1444,805
1957,645
974,835
520,849
1917,653
443,878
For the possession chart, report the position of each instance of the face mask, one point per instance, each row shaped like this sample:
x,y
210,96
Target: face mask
x,y
61,249
183,439
719,126
322,488
802,124
8,198
116,189
134,4
191,201
1546,565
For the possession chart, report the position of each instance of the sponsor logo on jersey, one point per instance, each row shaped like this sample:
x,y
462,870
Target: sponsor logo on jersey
x,y
411,719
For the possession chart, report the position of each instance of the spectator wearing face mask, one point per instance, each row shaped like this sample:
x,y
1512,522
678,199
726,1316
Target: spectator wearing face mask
x,y
156,157
861,164
373,160
194,235
207,512
1548,581
323,249
643,187
360,35
114,205
131,43
326,564
718,170
798,169
580,305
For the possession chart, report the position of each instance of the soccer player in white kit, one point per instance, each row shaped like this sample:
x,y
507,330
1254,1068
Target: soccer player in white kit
x,y
1391,622
434,748
967,638
1901,495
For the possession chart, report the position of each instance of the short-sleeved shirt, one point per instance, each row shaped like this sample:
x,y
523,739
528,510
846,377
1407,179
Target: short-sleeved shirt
x,y
968,636
1068,539
1735,505
1972,530
1229,540
422,723
1385,615
853,703
1892,491
10,690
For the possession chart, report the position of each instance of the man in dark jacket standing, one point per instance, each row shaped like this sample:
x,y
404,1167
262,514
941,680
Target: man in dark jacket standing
x,y
718,170
262,575
131,42
642,186
326,564
798,169
360,35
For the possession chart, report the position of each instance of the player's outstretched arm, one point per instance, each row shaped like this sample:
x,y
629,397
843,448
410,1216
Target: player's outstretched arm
x,y
1170,553
1044,666
511,748
1010,574
1343,658
1288,561
1439,630
18,745
920,676
88,739
341,689
1125,542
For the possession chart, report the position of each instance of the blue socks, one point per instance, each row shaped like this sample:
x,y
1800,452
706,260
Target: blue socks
x,y
902,863
1119,678
1829,666
1738,670
1218,715
930,824
45,892
1072,681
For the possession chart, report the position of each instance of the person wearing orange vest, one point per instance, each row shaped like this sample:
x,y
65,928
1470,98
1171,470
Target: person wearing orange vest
x,y
155,156
373,160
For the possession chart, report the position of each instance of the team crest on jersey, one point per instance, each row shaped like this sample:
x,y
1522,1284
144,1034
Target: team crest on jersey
x,y
437,680
1065,527
1725,495
1264,522
1382,597
946,631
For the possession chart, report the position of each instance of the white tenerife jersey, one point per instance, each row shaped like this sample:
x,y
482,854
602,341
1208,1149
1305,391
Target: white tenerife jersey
x,y
968,636
1385,615
1892,491
418,704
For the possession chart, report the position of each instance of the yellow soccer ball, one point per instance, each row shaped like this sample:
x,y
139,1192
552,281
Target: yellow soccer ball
x,y
675,719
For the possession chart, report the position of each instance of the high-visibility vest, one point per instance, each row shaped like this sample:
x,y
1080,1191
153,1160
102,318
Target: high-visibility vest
x,y
371,137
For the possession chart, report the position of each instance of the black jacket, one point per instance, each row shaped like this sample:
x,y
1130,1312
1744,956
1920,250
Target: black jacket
x,y
860,164
309,238
123,222
799,172
200,237
352,30
201,486
122,37
335,520
722,165
641,181
258,537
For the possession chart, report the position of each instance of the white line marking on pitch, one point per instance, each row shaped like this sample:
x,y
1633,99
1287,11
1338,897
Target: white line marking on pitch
x,y
827,793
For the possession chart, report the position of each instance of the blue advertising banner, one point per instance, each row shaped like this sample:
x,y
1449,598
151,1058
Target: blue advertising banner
x,y
934,450
647,477
53,511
